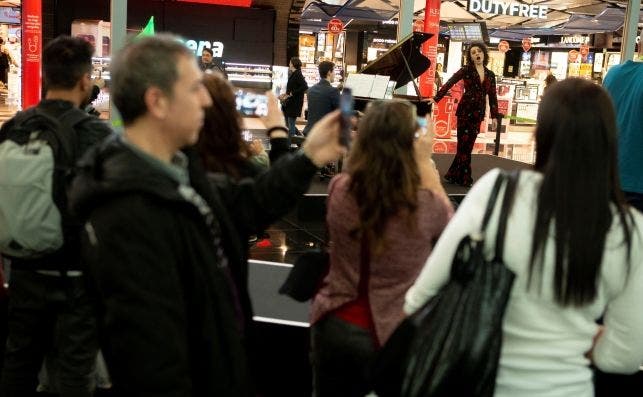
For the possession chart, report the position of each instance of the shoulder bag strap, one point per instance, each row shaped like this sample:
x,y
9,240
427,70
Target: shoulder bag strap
x,y
507,202
491,203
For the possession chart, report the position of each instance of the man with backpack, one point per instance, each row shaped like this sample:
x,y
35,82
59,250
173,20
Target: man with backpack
x,y
50,312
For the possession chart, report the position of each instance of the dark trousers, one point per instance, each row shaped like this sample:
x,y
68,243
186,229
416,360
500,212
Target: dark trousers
x,y
341,354
460,170
49,315
634,199
292,126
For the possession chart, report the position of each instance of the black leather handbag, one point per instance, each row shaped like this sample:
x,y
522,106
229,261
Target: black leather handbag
x,y
306,275
451,346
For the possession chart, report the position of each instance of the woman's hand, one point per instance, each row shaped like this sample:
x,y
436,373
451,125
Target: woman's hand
x,y
256,147
274,117
423,145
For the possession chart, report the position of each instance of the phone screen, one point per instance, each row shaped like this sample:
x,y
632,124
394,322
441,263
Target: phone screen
x,y
251,104
346,106
247,136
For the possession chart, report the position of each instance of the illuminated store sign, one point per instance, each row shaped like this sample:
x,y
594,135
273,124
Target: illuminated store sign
x,y
506,8
576,39
386,41
198,46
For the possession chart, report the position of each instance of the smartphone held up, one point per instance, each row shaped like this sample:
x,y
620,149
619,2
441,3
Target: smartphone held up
x,y
346,106
251,103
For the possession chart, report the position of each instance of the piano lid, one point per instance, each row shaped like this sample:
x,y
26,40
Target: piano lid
x,y
392,64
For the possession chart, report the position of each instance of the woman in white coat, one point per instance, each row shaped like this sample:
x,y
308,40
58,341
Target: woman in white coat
x,y
576,249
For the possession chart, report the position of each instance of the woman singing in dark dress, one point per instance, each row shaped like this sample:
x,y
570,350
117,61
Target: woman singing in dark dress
x,y
478,83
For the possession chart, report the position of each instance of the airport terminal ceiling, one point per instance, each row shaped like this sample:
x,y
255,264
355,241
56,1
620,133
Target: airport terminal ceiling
x,y
315,14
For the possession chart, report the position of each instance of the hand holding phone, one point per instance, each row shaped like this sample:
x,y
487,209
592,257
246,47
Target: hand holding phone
x,y
346,106
252,104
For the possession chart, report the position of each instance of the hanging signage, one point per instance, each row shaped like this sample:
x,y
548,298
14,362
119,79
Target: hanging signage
x,y
31,51
335,26
497,7
503,46
526,44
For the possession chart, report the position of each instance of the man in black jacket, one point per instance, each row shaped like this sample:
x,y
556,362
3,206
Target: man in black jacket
x,y
163,247
49,307
323,98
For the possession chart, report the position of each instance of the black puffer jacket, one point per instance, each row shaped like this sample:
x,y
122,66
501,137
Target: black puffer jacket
x,y
166,310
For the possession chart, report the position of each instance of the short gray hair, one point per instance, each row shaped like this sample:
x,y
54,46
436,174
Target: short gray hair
x,y
144,63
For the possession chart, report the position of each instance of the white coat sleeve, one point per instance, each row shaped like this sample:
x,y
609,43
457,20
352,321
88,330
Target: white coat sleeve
x,y
620,347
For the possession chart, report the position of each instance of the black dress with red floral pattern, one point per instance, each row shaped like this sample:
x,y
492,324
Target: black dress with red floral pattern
x,y
470,114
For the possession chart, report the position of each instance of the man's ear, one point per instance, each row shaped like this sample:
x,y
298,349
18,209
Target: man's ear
x,y
86,83
156,102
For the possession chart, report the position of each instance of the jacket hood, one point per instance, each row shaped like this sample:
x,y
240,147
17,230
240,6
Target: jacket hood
x,y
111,169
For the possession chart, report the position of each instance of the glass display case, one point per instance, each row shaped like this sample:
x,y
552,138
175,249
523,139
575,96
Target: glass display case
x,y
101,77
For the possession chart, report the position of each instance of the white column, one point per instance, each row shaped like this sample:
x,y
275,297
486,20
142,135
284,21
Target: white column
x,y
405,22
118,16
404,28
629,30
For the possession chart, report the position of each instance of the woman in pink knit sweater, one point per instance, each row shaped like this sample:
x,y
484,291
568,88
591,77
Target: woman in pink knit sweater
x,y
383,216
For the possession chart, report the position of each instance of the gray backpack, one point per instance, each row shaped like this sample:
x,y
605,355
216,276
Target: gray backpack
x,y
37,154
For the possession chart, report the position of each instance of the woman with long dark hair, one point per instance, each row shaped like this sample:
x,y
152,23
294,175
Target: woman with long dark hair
x,y
479,82
383,215
576,249
221,145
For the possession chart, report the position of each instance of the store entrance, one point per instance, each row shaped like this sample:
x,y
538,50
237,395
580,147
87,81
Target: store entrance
x,y
10,50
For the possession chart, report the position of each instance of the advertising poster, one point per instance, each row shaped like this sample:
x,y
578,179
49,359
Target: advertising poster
x,y
31,51
559,65
442,114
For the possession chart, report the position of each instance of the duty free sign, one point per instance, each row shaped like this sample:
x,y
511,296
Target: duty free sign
x,y
508,8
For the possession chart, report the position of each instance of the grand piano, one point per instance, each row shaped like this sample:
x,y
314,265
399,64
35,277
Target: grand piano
x,y
403,63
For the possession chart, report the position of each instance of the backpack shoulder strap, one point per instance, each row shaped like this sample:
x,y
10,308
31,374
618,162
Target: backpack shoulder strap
x,y
66,134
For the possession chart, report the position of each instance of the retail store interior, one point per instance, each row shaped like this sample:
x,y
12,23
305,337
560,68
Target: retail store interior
x,y
254,40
